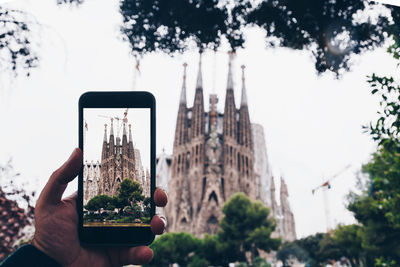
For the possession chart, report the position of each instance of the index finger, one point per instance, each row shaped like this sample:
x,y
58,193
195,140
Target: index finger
x,y
58,181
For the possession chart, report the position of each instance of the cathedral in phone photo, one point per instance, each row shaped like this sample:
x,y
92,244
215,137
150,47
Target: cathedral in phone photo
x,y
118,160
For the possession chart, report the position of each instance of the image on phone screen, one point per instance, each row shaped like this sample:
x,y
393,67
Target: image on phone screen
x,y
116,171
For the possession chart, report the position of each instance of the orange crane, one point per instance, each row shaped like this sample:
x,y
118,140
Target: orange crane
x,y
326,184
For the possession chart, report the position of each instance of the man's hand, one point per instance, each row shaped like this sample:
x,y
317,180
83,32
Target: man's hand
x,y
56,223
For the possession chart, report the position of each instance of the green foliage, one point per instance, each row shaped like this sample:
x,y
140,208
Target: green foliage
x,y
291,250
98,202
377,208
260,262
347,238
129,201
129,192
175,248
329,29
321,248
246,228
197,261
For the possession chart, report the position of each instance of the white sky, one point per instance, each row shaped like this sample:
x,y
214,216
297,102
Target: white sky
x,y
312,124
139,119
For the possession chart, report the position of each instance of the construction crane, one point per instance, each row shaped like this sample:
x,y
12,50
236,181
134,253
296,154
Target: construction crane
x,y
118,119
325,186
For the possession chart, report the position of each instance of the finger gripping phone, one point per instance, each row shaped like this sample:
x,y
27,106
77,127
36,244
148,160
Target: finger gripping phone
x,y
117,180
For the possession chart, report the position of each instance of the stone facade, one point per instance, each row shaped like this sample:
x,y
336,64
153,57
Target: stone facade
x,y
118,161
214,156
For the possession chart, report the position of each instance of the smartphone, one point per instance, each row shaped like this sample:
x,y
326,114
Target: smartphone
x,y
117,180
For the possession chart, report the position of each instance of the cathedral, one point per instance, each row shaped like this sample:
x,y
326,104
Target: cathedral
x,y
214,156
118,161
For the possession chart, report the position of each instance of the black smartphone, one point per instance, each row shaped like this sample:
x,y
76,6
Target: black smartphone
x,y
117,181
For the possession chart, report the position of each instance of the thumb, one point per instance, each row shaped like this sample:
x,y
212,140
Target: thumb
x,y
55,187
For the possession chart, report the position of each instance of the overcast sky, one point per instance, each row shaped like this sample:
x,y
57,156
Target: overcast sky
x,y
312,123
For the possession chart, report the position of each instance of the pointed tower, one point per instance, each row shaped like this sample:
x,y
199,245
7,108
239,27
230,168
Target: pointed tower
x,y
108,172
275,211
288,224
194,158
131,152
111,148
245,141
233,158
179,165
104,149
131,155
124,140
125,152
197,127
245,136
230,126
181,129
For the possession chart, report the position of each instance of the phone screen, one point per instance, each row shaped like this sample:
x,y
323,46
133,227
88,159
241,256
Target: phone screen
x,y
117,170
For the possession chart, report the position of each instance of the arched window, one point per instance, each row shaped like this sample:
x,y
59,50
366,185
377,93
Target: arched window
x,y
212,225
213,196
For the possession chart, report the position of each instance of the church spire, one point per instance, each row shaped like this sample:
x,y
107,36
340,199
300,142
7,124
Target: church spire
x,y
104,149
199,83
105,133
198,107
230,78
124,138
130,134
181,132
112,143
183,92
131,151
244,94
112,128
230,123
124,129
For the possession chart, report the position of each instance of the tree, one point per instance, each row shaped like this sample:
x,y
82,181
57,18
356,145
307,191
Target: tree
x,y
175,248
246,227
289,251
377,208
99,202
347,238
130,193
16,51
332,30
214,250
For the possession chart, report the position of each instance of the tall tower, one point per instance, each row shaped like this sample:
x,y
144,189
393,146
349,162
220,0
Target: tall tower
x,y
179,204
245,140
288,225
195,163
232,155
